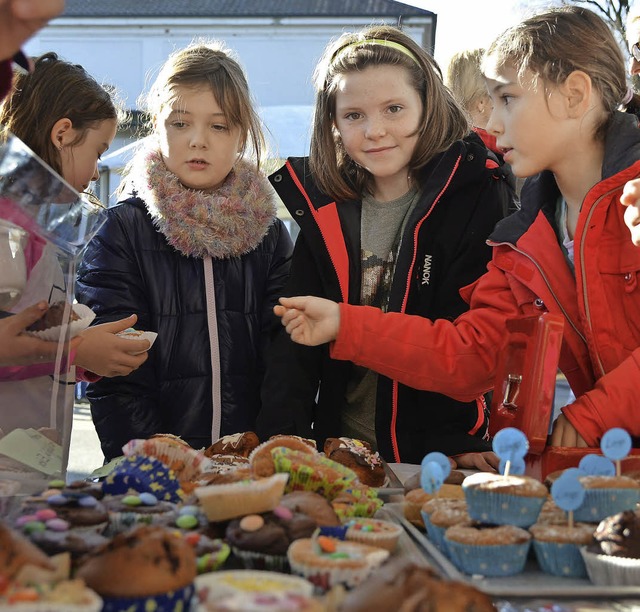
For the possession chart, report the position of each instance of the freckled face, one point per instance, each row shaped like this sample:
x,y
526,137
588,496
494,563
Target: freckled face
x,y
378,112
196,141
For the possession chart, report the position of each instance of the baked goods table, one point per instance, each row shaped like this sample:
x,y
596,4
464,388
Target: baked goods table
x,y
531,591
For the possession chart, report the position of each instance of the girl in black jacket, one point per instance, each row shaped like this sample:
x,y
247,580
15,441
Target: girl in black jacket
x,y
198,253
394,206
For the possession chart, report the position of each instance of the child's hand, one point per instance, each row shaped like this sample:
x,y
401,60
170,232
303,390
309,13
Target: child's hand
x,y
309,320
631,199
105,354
485,462
565,434
17,349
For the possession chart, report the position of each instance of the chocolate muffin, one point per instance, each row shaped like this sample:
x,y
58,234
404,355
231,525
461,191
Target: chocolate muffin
x,y
357,456
236,444
53,317
618,536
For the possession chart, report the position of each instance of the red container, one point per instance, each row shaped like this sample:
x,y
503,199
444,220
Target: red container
x,y
524,390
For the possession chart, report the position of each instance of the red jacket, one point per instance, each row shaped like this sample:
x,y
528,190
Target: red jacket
x,y
600,354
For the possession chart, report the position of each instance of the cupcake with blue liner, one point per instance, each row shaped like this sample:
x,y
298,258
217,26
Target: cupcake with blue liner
x,y
440,514
488,550
144,475
147,568
504,500
605,496
557,548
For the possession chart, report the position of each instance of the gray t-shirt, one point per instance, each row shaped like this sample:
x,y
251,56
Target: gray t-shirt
x,y
381,227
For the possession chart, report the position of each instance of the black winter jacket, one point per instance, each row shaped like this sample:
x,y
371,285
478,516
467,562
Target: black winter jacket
x,y
463,195
130,268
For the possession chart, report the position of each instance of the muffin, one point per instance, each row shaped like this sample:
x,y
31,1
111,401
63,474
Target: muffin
x,y
375,532
326,562
415,499
440,514
226,501
557,548
261,541
54,317
488,550
313,505
605,496
401,584
261,460
126,511
357,456
162,562
356,499
504,500
241,444
613,557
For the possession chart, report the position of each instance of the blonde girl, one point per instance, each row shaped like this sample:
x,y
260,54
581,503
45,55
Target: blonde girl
x,y
196,250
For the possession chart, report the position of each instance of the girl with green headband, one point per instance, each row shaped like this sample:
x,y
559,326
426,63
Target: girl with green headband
x,y
394,205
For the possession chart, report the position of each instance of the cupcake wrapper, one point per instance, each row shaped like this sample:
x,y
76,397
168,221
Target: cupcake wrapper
x,y
598,504
227,501
173,601
386,538
497,560
144,474
260,561
501,509
187,463
435,534
606,570
560,559
123,521
52,334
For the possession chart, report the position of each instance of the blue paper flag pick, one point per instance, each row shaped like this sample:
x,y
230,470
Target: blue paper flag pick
x,y
441,459
510,444
567,492
597,465
516,468
616,444
431,477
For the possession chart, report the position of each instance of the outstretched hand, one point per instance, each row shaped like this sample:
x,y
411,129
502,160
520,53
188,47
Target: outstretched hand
x,y
309,320
17,348
106,354
631,199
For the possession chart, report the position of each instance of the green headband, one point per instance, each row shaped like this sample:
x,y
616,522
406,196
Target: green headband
x,y
376,41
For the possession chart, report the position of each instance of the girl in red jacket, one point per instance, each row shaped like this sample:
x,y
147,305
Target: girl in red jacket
x,y
567,251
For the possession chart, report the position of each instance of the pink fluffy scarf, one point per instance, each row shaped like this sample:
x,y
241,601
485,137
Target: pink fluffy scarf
x,y
227,223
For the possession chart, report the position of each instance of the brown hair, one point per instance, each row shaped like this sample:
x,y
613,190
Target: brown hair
x,y
442,123
54,90
210,64
551,45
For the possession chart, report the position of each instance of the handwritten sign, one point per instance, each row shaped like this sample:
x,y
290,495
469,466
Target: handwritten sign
x,y
567,492
615,444
516,467
510,444
33,449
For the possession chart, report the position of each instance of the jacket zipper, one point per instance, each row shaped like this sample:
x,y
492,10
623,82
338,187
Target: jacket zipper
x,y
394,400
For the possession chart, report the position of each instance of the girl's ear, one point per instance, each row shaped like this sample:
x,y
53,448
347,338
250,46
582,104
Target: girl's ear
x,y
61,133
578,90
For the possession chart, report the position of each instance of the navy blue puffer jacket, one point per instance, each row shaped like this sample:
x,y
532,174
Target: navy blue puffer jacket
x,y
130,268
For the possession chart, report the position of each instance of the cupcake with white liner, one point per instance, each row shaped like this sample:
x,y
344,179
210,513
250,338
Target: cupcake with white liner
x,y
62,316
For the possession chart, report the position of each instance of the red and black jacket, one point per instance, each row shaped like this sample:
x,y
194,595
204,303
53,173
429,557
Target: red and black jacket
x,y
463,195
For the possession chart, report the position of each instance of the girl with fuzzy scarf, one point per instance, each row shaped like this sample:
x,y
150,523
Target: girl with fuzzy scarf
x,y
196,250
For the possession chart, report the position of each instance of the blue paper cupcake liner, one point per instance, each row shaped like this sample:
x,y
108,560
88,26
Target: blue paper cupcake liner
x,y
488,560
560,559
174,601
435,534
501,509
598,504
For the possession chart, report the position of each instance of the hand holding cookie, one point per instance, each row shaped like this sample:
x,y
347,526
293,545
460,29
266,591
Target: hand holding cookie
x,y
104,352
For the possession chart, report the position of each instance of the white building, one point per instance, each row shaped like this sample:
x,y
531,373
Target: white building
x,y
278,42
